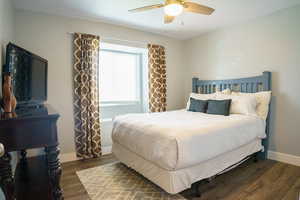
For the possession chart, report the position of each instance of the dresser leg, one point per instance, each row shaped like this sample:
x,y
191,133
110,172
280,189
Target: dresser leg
x,y
6,177
54,170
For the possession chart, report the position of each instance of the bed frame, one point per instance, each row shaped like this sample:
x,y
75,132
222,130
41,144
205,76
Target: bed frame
x,y
247,85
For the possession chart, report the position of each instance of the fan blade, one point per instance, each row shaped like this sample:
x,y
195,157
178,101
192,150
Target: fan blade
x,y
197,8
169,19
147,8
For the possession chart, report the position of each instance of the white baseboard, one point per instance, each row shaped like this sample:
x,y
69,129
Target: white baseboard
x,y
283,157
67,157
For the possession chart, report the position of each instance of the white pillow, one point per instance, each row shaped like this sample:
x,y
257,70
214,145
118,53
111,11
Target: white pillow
x,y
263,100
226,91
245,105
200,97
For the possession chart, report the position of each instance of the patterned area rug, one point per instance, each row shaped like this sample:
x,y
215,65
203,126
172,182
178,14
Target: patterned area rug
x,y
117,182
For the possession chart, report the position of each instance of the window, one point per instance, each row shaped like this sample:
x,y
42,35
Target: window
x,y
121,74
123,82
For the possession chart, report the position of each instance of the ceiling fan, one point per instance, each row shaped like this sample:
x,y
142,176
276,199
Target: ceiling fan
x,y
174,8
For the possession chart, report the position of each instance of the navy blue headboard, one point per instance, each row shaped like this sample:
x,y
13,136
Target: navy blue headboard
x,y
248,85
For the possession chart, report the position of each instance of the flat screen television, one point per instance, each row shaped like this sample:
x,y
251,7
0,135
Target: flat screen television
x,y
29,75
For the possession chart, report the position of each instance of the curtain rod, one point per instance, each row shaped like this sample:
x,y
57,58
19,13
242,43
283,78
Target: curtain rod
x,y
116,39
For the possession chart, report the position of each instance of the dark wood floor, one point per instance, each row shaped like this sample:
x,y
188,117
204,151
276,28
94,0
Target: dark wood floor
x,y
264,180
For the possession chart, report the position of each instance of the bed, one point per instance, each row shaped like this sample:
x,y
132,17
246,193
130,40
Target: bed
x,y
177,149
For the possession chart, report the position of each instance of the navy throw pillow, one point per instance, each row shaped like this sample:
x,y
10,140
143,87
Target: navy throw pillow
x,y
219,107
197,105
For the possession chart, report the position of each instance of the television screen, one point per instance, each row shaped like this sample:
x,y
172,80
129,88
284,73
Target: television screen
x,y
29,75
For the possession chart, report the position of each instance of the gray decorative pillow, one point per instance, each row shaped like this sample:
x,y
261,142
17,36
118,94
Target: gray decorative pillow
x,y
197,105
219,107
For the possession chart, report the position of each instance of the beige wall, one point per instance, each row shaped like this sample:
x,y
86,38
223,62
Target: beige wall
x,y
269,43
47,36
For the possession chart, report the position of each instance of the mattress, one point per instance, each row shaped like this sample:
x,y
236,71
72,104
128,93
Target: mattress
x,y
179,139
175,181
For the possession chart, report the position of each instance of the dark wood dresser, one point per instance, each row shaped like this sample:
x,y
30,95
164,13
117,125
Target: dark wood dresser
x,y
35,177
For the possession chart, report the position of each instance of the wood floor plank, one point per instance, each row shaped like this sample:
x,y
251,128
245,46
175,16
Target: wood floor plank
x,y
294,192
275,183
264,180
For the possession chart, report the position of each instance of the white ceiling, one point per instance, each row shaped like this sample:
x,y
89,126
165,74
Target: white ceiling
x,y
187,25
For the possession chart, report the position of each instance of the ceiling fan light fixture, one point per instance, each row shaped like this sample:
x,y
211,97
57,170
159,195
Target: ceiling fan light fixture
x,y
173,9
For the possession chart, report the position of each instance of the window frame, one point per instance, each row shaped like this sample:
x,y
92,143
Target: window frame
x,y
139,79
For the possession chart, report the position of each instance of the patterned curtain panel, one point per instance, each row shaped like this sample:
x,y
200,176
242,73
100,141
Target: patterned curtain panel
x,y
157,78
86,98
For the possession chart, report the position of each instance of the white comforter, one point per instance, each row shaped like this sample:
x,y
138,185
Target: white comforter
x,y
179,139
